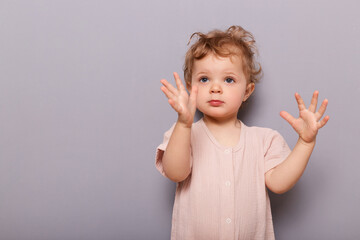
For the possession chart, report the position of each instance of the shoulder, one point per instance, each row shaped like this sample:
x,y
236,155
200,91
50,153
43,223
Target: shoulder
x,y
197,125
194,128
259,132
197,131
267,139
265,136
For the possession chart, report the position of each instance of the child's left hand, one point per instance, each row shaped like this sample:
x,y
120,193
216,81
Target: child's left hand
x,y
308,123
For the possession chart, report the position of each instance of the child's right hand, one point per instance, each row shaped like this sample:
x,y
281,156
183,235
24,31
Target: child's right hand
x,y
180,100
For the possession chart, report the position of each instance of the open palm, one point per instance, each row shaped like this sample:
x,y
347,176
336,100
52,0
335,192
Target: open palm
x,y
309,121
180,100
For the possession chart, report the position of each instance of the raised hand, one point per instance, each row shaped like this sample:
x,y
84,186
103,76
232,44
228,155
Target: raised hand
x,y
308,123
180,100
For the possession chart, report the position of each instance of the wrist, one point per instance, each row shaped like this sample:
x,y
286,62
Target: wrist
x,y
307,144
183,125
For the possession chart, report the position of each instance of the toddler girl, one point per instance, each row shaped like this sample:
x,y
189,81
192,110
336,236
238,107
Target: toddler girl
x,y
222,167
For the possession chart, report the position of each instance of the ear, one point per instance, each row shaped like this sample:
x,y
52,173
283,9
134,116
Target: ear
x,y
188,86
249,90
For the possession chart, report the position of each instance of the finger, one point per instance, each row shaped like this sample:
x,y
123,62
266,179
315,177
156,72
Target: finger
x,y
323,121
192,99
167,92
179,84
300,102
288,117
322,110
170,87
314,100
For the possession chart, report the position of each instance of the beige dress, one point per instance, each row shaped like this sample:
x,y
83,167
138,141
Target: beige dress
x,y
225,196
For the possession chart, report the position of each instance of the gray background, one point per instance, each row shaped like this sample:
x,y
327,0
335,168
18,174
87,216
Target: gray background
x,y
81,111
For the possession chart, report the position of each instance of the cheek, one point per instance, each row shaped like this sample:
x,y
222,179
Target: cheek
x,y
238,96
201,93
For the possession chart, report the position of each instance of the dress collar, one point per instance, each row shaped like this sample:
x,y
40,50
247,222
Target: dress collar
x,y
235,148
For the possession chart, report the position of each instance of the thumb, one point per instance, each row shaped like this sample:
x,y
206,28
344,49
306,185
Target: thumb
x,y
192,99
288,117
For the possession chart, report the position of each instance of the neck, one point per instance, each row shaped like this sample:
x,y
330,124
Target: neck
x,y
223,122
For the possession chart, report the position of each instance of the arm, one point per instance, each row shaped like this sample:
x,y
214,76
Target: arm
x,y
284,176
176,159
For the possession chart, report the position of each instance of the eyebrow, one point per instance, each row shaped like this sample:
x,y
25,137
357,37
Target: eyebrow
x,y
231,73
207,72
199,73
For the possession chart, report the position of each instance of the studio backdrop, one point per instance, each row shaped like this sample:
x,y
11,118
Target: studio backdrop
x,y
81,112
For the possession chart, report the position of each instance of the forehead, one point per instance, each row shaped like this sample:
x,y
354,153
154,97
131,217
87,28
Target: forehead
x,y
214,63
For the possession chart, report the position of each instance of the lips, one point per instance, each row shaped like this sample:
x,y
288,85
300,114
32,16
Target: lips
x,y
215,103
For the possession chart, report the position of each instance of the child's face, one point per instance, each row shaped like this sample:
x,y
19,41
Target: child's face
x,y
222,86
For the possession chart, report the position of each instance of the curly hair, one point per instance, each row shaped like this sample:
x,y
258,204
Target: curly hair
x,y
235,41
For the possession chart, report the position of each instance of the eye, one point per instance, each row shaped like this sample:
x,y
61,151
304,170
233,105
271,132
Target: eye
x,y
229,80
204,79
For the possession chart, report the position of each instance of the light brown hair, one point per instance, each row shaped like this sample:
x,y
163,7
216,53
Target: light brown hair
x,y
235,41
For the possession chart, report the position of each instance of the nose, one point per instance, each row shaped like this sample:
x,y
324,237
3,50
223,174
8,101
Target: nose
x,y
215,88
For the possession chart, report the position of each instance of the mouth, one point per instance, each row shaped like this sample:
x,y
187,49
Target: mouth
x,y
215,103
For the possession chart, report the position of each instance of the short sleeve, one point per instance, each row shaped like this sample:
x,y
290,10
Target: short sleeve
x,y
276,150
161,149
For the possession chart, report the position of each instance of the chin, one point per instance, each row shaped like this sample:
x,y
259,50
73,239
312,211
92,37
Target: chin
x,y
218,115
